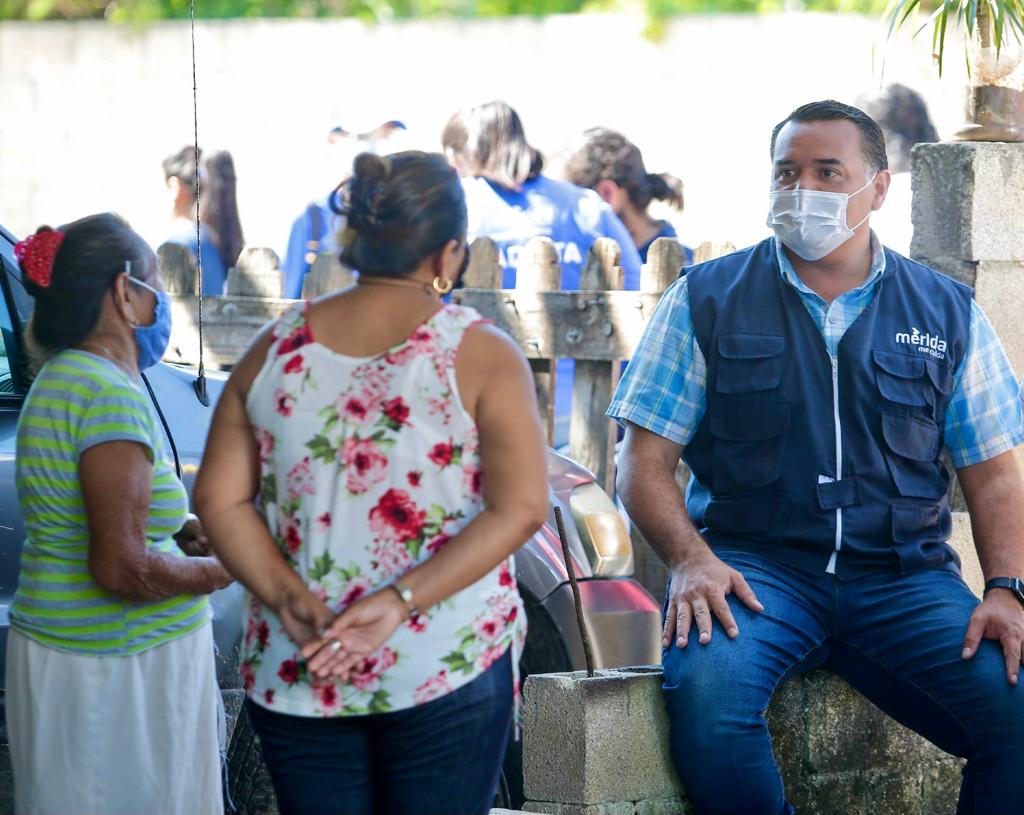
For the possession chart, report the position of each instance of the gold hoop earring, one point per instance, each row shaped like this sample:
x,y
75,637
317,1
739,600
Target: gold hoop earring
x,y
442,286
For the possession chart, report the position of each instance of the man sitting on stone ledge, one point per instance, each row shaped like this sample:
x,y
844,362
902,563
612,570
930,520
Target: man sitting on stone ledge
x,y
811,384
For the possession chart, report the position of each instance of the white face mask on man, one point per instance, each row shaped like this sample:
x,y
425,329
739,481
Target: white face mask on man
x,y
812,222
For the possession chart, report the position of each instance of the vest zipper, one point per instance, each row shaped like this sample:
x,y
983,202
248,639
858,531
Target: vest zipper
x,y
831,568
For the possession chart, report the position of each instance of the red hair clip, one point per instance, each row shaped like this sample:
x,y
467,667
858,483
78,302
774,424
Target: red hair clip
x,y
36,254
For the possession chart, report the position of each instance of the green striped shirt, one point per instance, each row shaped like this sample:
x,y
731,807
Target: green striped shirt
x,y
77,401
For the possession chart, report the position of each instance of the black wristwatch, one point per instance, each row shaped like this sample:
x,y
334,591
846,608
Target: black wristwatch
x,y
1014,584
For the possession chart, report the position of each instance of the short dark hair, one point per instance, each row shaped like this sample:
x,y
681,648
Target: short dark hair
x,y
91,256
871,137
607,154
399,210
184,166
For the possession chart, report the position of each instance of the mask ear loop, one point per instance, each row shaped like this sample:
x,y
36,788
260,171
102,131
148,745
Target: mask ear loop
x,y
865,219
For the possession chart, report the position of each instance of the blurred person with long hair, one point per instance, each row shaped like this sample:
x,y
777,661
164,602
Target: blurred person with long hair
x,y
510,200
611,165
219,207
112,699
374,461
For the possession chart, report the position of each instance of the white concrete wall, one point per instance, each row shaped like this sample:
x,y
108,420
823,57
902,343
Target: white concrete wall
x,y
87,110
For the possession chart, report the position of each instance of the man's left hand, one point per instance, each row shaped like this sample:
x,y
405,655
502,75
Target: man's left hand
x,y
999,617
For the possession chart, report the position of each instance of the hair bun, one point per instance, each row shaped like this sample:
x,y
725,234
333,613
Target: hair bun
x,y
366,193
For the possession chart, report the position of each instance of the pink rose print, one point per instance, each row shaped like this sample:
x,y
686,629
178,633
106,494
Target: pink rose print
x,y
299,337
414,477
248,677
364,464
417,623
489,657
323,522
423,339
401,356
268,696
356,588
511,616
263,634
435,545
505,579
368,675
289,672
294,365
265,443
391,557
442,454
355,410
432,688
397,410
284,402
487,629
396,517
473,479
318,591
326,693
292,539
300,480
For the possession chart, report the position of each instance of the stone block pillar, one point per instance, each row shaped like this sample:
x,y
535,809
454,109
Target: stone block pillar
x,y
968,213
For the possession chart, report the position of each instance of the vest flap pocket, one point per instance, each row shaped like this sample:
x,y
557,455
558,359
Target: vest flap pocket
x,y
750,346
753,421
911,436
902,365
920,521
749,362
941,376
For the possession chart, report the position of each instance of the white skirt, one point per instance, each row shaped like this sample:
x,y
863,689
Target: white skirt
x,y
134,735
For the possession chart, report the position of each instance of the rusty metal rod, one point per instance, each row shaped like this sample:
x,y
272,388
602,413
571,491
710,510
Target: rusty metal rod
x,y
588,654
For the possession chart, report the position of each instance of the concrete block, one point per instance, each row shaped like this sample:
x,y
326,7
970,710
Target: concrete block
x,y
597,740
550,808
968,204
669,806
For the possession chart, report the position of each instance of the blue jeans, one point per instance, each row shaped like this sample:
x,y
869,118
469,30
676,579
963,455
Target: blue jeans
x,y
440,757
896,639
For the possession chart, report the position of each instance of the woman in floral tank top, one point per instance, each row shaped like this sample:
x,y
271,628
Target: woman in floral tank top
x,y
375,460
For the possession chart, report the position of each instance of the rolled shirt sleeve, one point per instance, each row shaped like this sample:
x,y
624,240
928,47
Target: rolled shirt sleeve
x,y
664,387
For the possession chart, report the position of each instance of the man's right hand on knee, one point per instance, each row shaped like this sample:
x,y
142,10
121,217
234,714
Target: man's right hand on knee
x,y
697,591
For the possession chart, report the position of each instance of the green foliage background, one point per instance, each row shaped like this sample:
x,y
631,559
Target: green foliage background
x,y
384,10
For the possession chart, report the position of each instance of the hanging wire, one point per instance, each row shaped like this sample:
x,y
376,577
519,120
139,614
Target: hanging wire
x,y
200,384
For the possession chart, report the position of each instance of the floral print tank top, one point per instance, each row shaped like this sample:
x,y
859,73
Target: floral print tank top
x,y
368,466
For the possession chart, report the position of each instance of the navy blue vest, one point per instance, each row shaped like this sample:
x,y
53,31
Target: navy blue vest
x,y
765,458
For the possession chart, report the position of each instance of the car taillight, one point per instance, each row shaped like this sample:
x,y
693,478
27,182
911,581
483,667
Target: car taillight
x,y
602,531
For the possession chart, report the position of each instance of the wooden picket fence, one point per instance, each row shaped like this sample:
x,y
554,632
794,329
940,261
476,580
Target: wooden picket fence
x,y
598,325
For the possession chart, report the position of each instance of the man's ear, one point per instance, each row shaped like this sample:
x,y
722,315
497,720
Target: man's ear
x,y
609,191
880,188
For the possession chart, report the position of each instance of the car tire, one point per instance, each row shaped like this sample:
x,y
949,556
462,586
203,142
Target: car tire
x,y
248,790
545,652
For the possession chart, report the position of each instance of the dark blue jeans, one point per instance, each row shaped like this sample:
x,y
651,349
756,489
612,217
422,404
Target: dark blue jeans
x,y
896,639
439,758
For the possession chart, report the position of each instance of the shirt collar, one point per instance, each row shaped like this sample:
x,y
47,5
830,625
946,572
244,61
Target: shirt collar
x,y
793,279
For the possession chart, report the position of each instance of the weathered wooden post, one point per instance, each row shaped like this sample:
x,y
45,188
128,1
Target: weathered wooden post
x,y
591,433
539,270
484,270
177,267
327,275
256,274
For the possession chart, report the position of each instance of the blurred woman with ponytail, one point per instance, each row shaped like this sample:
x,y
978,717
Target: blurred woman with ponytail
x,y
606,162
375,460
112,699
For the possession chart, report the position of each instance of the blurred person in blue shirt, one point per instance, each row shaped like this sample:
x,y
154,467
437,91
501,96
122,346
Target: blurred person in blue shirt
x,y
183,175
511,201
611,165
316,229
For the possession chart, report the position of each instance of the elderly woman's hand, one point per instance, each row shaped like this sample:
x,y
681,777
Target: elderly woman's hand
x,y
191,538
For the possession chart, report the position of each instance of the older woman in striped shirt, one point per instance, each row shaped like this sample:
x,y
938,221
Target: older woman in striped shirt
x,y
111,690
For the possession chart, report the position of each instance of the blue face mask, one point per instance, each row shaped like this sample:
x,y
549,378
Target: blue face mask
x,y
153,339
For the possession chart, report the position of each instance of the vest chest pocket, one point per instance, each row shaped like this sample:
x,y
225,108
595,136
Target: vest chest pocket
x,y
750,438
748,363
914,381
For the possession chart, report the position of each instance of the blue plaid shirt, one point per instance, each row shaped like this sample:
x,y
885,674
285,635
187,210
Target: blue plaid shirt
x,y
663,389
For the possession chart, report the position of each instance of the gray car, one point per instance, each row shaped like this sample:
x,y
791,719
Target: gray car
x,y
623,619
